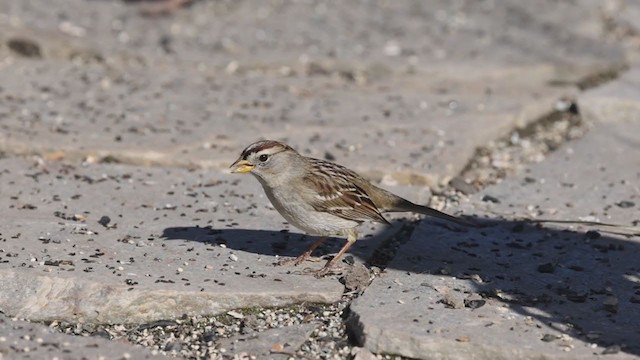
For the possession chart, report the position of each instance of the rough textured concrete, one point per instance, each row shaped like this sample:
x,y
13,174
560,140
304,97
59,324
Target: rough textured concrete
x,y
553,290
24,340
279,343
140,117
615,101
177,242
405,92
129,96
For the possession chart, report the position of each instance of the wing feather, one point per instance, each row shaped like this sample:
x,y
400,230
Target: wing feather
x,y
336,193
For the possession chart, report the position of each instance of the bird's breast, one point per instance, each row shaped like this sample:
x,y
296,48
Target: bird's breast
x,y
303,216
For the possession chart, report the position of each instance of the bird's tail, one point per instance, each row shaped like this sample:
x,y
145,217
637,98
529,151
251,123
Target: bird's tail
x,y
407,205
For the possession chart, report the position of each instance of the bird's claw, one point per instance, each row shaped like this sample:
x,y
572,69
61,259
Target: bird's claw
x,y
325,271
295,262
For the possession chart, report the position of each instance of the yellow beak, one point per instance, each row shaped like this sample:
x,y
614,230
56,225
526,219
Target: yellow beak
x,y
241,166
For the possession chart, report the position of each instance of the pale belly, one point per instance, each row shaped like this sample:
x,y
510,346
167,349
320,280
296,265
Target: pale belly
x,y
304,217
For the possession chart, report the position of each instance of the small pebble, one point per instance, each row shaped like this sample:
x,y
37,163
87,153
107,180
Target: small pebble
x,y
592,234
547,268
25,47
610,350
104,221
474,301
611,304
235,314
492,199
626,204
463,186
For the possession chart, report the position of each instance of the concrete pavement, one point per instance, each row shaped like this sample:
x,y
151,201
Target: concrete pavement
x,y
543,268
116,129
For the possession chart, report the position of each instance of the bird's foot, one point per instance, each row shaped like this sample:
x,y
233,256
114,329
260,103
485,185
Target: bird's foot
x,y
295,261
298,260
329,269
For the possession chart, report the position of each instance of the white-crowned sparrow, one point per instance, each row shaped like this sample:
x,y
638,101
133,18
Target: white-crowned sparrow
x,y
320,197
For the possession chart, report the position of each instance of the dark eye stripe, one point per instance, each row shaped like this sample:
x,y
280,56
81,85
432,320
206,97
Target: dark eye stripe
x,y
261,146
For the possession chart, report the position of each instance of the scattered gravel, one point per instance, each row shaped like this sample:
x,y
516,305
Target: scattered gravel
x,y
197,337
531,144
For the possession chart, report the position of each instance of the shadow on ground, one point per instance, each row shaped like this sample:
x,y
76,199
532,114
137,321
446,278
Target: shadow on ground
x,y
584,283
280,243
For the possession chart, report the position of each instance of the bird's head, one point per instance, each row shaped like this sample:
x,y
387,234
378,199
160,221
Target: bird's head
x,y
268,160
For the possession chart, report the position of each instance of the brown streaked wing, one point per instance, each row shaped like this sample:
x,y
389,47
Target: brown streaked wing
x,y
337,195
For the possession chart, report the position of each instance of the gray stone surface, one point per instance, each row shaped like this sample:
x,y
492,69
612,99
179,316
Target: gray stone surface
x,y
615,101
266,35
278,343
149,91
405,92
360,353
179,242
25,340
548,291
140,117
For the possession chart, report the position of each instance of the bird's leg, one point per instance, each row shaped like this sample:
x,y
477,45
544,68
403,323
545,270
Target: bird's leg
x,y
164,7
304,255
352,236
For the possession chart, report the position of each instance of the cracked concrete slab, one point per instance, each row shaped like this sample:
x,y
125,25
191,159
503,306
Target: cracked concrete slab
x,y
117,243
520,290
25,340
404,92
614,101
128,104
403,35
111,243
139,117
278,343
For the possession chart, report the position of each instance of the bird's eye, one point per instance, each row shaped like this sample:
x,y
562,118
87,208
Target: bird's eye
x,y
263,157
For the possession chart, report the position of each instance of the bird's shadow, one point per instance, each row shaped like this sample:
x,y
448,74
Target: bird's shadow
x,y
584,283
276,243
574,279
